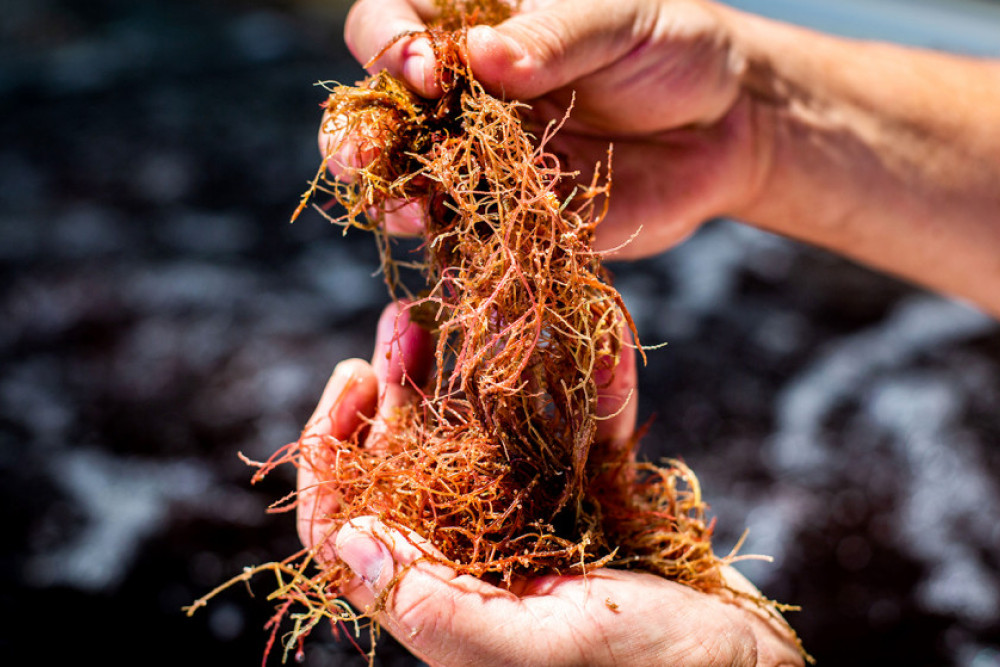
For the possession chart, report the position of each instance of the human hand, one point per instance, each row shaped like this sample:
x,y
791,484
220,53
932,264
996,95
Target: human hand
x,y
608,617
361,394
660,79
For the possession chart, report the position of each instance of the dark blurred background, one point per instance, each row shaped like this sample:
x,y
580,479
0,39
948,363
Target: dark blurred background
x,y
159,314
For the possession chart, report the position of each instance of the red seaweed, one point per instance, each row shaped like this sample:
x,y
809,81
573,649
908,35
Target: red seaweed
x,y
496,464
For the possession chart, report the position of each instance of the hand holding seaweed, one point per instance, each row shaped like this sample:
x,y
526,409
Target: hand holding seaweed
x,y
528,331
605,618
492,438
663,80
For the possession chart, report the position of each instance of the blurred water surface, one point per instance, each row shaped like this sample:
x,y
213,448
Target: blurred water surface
x,y
158,314
960,26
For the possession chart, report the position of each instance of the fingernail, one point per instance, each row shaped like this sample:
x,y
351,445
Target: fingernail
x,y
413,71
390,330
366,557
418,54
339,381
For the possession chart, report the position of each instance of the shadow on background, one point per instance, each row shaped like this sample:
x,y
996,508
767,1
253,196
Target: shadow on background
x,y
159,314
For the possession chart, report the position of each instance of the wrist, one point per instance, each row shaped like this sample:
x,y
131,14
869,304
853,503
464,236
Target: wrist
x,y
757,111
882,153
820,146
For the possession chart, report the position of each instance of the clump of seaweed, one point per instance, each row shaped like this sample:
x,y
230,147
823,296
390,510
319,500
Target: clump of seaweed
x,y
496,464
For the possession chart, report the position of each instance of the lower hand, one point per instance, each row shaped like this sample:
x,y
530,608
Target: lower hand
x,y
607,617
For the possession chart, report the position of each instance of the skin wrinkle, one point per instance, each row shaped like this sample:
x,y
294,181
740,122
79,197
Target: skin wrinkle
x,y
546,35
744,652
581,637
644,28
583,645
540,621
409,616
406,616
816,124
634,644
509,625
557,617
635,54
506,628
605,640
694,27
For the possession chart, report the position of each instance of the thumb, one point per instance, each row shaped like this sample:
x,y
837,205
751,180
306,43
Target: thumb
x,y
534,53
439,615
617,400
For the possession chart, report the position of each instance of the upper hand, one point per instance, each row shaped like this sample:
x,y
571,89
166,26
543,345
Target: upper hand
x,y
661,79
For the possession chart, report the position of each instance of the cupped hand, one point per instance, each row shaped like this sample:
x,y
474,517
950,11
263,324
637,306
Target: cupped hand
x,y
660,79
609,617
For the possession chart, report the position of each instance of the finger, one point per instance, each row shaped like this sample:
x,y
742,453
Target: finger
x,y
347,146
537,52
373,24
776,641
617,395
635,67
346,150
404,355
349,396
441,616
404,218
348,401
